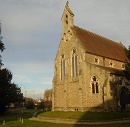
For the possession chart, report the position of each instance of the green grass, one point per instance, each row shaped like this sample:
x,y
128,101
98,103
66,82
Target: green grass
x,y
28,123
12,122
26,113
87,115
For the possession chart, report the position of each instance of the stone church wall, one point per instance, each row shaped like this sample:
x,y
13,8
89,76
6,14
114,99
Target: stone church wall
x,y
95,101
76,92
103,61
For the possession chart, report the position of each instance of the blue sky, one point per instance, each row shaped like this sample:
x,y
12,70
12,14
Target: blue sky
x,y
31,31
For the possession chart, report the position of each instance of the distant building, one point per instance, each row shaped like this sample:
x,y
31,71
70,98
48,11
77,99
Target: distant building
x,y
88,70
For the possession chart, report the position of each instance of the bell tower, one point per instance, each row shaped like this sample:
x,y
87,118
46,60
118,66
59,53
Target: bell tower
x,y
67,21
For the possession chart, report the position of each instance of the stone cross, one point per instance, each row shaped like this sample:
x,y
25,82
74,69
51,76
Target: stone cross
x,y
67,3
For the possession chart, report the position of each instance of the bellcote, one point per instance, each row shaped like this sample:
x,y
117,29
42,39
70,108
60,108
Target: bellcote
x,y
67,20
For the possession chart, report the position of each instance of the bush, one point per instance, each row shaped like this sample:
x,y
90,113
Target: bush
x,y
41,105
30,104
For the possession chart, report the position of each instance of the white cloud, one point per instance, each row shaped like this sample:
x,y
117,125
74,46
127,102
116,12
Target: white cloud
x,y
21,78
34,76
34,94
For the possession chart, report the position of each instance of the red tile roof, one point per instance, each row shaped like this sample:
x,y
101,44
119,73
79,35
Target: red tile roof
x,y
99,45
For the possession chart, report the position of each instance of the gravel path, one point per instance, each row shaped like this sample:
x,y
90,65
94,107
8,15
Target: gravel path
x,y
72,121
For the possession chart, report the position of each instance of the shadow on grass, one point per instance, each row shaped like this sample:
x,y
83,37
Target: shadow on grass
x,y
109,110
92,117
25,114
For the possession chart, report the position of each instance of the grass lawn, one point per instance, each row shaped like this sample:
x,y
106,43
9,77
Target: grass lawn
x,y
15,116
11,120
87,115
28,123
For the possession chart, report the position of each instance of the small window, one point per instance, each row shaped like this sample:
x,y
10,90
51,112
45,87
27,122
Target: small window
x,y
74,51
94,83
62,56
111,63
96,60
123,66
66,19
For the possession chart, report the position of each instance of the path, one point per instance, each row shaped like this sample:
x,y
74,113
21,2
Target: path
x,y
72,121
34,114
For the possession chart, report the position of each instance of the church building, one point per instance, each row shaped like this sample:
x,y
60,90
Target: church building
x,y
88,70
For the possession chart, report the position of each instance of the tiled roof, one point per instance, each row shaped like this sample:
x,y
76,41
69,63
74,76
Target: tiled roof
x,y
99,45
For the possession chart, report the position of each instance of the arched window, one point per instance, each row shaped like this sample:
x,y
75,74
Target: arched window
x,y
94,83
74,63
62,67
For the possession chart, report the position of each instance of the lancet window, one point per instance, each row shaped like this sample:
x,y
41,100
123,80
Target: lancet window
x,y
62,67
74,63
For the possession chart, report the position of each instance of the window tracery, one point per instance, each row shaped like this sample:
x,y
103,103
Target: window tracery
x,y
96,60
123,66
94,83
111,63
